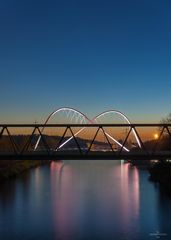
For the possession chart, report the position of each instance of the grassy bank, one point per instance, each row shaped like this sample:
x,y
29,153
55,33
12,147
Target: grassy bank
x,y
11,168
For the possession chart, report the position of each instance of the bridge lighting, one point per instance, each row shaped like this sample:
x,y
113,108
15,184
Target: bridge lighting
x,y
75,115
156,136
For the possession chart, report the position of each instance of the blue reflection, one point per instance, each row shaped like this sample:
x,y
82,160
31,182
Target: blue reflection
x,y
83,200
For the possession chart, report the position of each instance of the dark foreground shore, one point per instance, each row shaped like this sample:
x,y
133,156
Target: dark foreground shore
x,y
11,168
161,173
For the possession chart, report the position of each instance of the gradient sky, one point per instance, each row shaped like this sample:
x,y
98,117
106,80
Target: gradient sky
x,y
87,54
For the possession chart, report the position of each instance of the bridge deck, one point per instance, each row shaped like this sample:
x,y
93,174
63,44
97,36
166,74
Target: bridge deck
x,y
96,155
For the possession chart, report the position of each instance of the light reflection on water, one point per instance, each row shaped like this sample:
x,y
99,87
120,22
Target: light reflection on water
x,y
83,200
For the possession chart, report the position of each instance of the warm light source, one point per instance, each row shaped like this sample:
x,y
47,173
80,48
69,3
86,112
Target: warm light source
x,y
156,136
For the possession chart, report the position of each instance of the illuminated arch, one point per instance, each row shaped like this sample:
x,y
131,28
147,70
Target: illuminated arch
x,y
67,109
85,119
80,114
122,115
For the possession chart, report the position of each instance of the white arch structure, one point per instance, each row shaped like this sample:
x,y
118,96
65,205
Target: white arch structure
x,y
124,117
79,117
82,118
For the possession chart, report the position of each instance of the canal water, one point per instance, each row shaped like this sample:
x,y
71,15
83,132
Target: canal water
x,y
84,200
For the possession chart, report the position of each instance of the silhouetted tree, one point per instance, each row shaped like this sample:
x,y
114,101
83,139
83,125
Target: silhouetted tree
x,y
167,119
166,139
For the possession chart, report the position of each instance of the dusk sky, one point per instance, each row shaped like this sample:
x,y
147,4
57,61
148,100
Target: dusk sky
x,y
90,55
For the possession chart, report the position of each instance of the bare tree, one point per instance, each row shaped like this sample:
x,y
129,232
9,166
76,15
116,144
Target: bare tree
x,y
166,120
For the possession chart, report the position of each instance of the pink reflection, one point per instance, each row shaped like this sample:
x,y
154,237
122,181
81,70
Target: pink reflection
x,y
129,192
38,180
38,177
55,166
63,198
112,190
136,189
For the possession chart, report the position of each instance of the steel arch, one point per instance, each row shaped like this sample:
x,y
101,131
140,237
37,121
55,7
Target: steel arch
x,y
90,122
122,115
59,110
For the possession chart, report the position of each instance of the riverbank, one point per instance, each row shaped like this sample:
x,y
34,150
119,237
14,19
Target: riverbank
x,y
161,173
141,163
11,168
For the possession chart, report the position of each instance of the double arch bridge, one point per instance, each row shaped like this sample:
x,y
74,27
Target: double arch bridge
x,y
69,134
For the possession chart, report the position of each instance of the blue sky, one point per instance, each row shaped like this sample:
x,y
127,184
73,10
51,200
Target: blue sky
x,y
91,55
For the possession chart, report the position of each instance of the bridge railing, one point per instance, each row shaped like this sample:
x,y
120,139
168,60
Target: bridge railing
x,y
113,141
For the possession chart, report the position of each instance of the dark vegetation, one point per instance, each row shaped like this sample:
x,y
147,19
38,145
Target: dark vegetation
x,y
161,171
11,168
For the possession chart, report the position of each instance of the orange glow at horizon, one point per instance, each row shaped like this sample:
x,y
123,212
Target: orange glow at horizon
x,y
156,136
119,133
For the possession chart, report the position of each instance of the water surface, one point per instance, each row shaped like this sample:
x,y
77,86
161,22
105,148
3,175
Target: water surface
x,y
84,200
